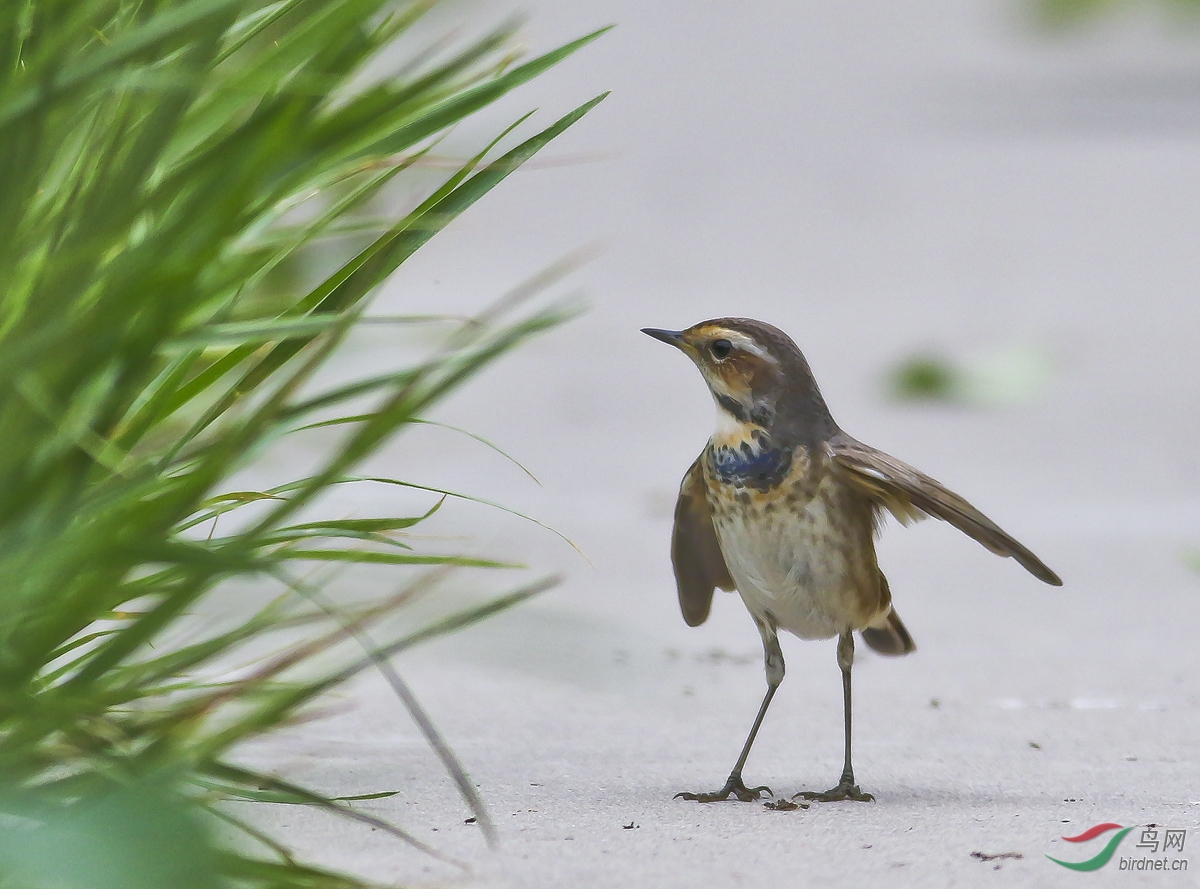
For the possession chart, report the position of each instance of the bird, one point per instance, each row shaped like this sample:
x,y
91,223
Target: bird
x,y
784,507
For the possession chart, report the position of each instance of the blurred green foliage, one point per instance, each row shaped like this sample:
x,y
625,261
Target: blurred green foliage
x,y
1015,375
924,378
166,162
138,835
1061,13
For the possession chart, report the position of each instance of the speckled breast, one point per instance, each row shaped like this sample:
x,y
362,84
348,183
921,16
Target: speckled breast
x,y
798,546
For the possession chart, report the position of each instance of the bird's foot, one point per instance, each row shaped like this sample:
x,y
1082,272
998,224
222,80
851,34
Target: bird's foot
x,y
844,790
733,786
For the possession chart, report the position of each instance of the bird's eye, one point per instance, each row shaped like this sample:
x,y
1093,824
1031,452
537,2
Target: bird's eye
x,y
721,349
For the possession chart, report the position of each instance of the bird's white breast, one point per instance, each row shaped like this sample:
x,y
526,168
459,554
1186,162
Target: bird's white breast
x,y
790,564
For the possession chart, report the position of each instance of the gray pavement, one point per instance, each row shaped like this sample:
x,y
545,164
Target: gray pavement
x,y
875,178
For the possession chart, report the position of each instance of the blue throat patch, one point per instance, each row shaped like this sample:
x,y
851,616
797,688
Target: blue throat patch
x,y
744,467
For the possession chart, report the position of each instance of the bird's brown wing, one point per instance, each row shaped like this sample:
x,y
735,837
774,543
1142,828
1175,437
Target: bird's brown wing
x,y
695,550
910,494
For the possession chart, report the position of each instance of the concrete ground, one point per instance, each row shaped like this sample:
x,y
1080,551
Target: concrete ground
x,y
877,179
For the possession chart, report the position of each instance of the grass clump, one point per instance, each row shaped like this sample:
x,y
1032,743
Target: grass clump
x,y
169,164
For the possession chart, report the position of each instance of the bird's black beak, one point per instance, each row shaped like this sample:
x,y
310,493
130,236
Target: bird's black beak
x,y
674,337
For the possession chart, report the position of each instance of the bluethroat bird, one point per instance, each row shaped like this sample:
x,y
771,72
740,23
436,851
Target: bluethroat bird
x,y
784,506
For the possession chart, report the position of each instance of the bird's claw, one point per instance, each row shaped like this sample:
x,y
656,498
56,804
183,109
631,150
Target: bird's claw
x,y
844,791
733,786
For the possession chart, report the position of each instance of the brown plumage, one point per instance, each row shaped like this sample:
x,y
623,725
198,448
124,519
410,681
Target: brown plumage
x,y
783,506
695,551
910,494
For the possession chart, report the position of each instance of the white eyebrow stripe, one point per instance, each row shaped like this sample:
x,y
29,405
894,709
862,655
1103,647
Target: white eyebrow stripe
x,y
741,341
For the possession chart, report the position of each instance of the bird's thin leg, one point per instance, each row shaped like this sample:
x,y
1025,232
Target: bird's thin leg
x,y
846,788
734,785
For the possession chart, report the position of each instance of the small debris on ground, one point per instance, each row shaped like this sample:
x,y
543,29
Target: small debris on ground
x,y
629,826
997,856
1035,745
720,656
783,805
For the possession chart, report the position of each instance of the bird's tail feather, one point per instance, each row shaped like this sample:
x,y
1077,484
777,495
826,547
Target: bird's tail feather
x,y
892,638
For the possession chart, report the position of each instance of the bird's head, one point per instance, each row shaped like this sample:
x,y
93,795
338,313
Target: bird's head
x,y
756,374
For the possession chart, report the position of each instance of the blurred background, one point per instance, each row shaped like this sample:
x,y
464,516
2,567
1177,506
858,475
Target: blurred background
x,y
979,223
